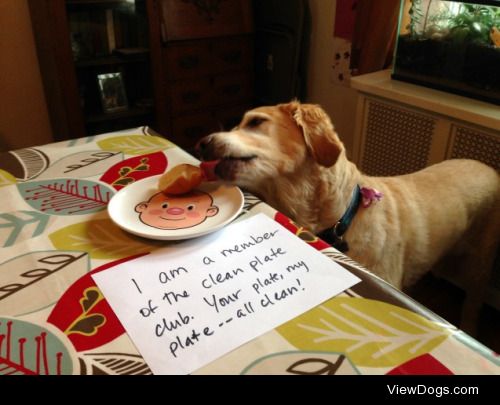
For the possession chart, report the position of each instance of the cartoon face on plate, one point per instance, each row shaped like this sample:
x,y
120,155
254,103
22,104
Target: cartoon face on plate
x,y
176,212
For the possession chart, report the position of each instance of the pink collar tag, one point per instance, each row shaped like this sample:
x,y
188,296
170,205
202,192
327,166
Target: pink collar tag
x,y
370,195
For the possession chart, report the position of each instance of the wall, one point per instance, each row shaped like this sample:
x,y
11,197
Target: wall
x,y
338,101
24,119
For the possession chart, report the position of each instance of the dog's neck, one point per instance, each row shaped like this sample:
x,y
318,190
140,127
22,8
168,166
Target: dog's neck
x,y
315,196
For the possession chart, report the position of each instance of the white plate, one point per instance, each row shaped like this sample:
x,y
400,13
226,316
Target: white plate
x,y
140,209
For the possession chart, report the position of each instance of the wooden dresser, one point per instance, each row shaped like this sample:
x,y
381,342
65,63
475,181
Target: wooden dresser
x,y
208,66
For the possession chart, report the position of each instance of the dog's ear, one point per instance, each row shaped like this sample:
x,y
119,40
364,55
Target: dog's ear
x,y
317,129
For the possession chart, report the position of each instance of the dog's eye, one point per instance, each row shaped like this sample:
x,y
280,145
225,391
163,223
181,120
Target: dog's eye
x,y
255,122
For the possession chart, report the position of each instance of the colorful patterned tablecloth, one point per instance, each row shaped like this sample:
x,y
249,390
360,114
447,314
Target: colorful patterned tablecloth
x,y
55,232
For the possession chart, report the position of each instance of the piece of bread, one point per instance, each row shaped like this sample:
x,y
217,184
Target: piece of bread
x,y
183,178
180,179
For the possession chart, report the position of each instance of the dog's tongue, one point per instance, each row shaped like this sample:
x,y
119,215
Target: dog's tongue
x,y
208,169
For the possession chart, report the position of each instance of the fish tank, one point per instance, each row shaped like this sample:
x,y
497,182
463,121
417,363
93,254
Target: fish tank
x,y
450,45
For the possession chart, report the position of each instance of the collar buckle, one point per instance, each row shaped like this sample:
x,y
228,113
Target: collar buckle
x,y
335,235
335,238
338,234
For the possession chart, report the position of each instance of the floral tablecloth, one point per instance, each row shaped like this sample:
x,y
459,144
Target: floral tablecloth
x,y
55,232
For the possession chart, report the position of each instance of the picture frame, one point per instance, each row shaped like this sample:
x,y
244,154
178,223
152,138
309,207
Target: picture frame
x,y
112,92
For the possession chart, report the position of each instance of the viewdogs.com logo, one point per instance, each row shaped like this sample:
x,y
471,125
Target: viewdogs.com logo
x,y
438,392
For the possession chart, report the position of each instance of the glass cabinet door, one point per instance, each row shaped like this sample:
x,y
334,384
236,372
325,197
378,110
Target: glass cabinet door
x,y
111,53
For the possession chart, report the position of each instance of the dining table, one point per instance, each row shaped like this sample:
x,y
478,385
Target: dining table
x,y
56,233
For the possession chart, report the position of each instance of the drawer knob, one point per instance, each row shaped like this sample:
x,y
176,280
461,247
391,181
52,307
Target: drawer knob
x,y
190,97
195,131
231,89
231,56
189,62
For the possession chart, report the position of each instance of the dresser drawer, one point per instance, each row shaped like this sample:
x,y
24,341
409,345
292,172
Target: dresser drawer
x,y
190,95
231,88
206,57
187,19
188,129
228,117
187,59
232,54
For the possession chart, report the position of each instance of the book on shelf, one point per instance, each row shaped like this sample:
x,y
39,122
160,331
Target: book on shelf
x,y
130,51
110,30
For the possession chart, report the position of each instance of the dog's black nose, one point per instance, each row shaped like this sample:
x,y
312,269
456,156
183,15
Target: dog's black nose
x,y
202,147
203,142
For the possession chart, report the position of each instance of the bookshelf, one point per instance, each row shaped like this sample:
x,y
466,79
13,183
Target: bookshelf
x,y
80,41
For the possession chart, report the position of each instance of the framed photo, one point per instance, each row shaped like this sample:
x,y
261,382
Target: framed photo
x,y
112,91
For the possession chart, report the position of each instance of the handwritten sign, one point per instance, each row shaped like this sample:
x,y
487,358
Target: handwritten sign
x,y
192,302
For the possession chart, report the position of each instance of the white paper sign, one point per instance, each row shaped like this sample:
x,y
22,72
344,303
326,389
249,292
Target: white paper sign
x,y
190,303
